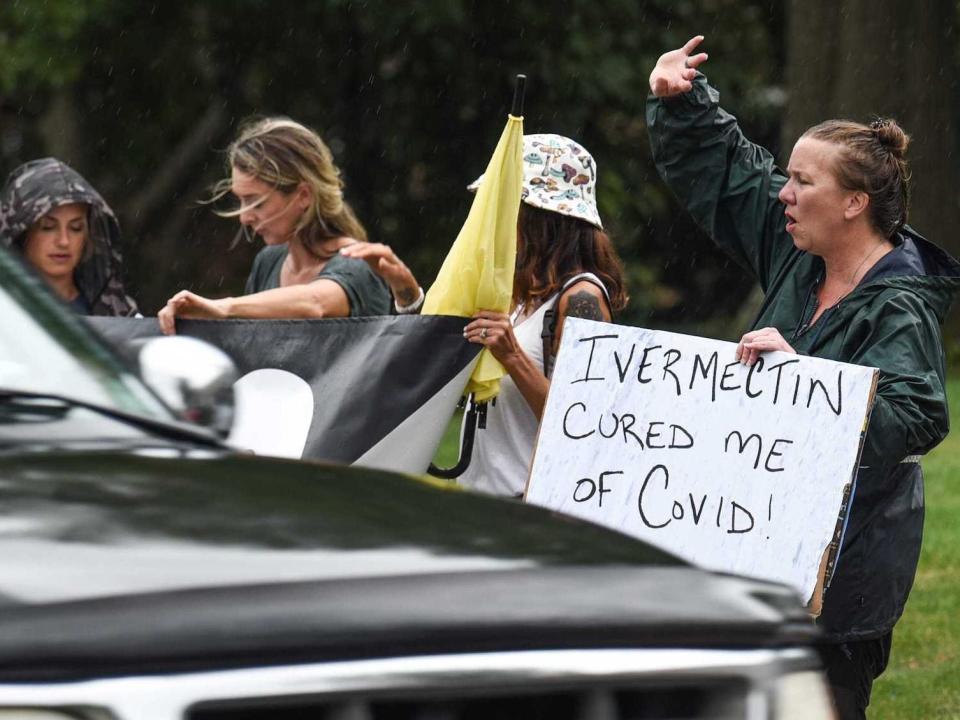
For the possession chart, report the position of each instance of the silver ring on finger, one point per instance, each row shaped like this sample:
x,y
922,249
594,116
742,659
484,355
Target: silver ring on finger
x,y
686,62
483,333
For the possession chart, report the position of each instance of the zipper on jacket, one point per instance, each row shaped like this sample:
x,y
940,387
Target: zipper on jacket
x,y
805,324
806,313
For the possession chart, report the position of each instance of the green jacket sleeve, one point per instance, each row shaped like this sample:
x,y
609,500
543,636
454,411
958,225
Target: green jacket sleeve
x,y
727,183
910,413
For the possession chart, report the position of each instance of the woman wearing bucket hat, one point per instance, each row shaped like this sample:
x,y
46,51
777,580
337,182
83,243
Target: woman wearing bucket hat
x,y
566,267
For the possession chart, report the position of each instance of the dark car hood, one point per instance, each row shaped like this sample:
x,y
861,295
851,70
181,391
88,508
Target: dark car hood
x,y
124,563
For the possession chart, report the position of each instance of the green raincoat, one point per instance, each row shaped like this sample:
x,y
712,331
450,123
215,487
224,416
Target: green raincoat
x,y
889,321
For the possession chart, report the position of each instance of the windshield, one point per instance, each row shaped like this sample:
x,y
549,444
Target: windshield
x,y
44,349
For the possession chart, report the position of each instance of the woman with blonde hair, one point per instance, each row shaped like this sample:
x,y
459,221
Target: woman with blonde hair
x,y
290,193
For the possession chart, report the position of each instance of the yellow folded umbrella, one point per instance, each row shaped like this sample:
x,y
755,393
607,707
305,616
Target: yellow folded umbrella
x,y
478,271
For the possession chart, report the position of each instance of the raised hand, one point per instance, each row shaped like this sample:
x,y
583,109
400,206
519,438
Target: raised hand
x,y
676,69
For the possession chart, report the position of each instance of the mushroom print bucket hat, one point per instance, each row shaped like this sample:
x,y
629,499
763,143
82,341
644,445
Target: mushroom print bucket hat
x,y
559,175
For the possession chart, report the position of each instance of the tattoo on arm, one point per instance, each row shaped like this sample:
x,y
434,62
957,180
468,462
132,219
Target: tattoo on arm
x,y
584,305
406,296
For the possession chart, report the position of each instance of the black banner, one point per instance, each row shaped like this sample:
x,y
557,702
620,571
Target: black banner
x,y
383,388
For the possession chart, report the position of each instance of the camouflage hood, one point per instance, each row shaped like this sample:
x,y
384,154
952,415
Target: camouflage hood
x,y
35,188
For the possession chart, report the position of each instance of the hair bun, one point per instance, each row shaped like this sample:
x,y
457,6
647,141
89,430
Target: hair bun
x,y
891,136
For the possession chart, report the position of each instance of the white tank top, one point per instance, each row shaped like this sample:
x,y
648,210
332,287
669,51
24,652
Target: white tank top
x,y
502,452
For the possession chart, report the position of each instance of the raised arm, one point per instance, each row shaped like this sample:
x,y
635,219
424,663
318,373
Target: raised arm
x,y
728,184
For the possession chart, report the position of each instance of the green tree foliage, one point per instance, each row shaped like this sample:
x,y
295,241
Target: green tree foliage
x,y
410,97
40,42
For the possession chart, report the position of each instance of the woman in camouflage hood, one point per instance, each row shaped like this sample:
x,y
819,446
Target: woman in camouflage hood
x,y
39,188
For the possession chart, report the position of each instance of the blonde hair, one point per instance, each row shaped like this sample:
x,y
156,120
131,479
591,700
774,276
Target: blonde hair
x,y
283,154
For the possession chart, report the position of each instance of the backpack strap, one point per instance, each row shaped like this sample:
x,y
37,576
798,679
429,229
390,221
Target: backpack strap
x,y
549,328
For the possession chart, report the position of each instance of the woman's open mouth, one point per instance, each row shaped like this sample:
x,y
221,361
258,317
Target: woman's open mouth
x,y
791,222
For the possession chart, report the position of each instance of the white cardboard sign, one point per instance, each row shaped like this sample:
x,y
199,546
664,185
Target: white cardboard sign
x,y
667,438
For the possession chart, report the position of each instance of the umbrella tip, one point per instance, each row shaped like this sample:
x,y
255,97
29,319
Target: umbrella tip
x,y
518,92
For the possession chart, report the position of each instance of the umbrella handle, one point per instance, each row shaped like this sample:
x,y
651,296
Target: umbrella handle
x,y
518,91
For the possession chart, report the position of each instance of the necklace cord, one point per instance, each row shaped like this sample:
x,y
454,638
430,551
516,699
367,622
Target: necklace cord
x,y
851,283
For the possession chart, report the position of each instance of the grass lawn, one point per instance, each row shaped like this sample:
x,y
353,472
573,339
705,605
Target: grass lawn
x,y
923,679
449,449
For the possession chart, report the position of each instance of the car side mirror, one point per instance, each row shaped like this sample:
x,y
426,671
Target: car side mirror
x,y
194,378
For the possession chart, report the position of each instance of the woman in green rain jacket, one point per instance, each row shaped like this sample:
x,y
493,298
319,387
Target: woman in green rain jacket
x,y
845,279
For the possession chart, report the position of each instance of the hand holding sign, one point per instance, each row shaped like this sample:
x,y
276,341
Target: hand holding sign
x,y
670,438
761,341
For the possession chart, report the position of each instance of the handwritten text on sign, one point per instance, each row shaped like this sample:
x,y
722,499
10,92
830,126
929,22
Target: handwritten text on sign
x,y
666,437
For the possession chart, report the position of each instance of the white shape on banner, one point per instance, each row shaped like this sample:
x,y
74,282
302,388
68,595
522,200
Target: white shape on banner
x,y
667,438
411,445
274,410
